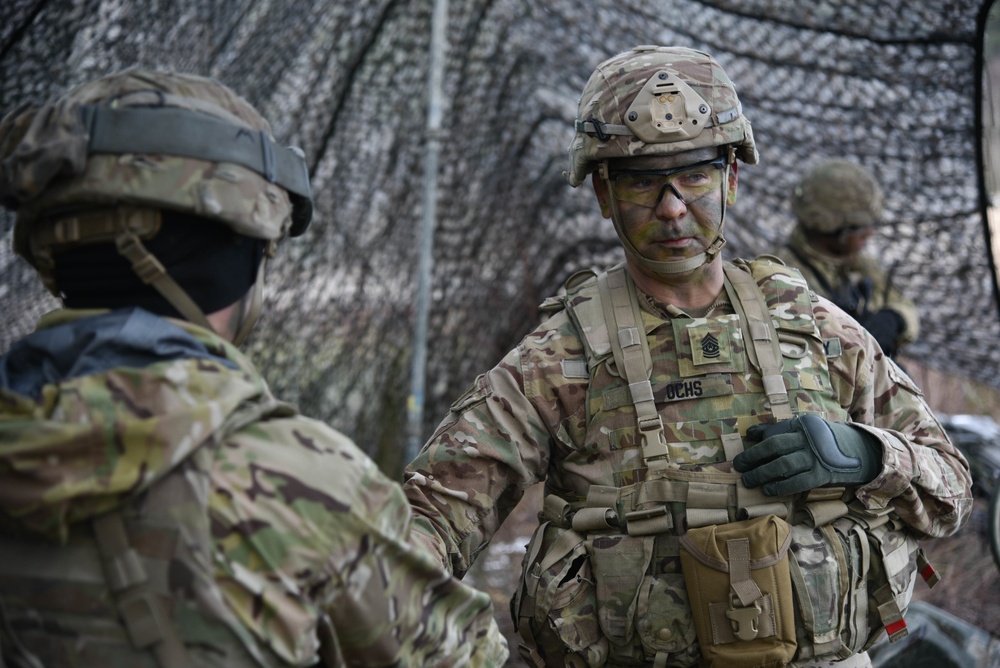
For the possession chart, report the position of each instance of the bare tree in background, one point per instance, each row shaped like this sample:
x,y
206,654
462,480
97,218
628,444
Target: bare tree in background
x,y
892,84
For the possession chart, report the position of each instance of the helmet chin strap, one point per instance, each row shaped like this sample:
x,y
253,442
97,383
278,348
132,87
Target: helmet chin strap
x,y
665,268
151,272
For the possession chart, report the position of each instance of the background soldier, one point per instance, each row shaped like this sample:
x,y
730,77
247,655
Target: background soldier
x,y
837,205
634,402
233,531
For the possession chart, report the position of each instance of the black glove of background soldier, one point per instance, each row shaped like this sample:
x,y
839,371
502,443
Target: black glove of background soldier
x,y
885,326
806,452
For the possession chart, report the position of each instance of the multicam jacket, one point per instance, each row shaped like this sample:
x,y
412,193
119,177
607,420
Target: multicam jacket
x,y
273,538
555,410
839,279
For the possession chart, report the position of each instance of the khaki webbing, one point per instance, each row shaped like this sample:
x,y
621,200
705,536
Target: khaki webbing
x,y
145,618
151,272
762,347
631,350
127,226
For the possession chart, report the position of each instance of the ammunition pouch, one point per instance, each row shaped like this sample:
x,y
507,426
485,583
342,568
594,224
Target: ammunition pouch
x,y
555,608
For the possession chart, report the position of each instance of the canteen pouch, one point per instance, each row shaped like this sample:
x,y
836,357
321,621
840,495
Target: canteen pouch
x,y
740,589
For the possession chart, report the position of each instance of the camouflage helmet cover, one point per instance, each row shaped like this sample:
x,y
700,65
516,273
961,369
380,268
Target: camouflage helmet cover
x,y
45,167
835,194
656,100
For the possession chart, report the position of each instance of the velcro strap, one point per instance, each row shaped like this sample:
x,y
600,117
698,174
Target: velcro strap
x,y
600,496
184,133
890,614
926,570
774,387
556,510
649,521
822,513
123,568
703,517
710,495
662,491
759,331
641,391
742,584
629,336
141,617
595,519
732,444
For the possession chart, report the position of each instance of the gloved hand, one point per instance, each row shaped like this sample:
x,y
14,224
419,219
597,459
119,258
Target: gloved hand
x,y
886,326
805,452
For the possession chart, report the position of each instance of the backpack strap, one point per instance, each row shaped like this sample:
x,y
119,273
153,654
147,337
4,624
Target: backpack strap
x,y
762,347
146,620
631,350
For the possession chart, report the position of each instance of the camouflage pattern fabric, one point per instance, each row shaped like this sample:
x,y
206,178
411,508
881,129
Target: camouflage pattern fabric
x,y
545,412
616,82
44,165
309,540
821,269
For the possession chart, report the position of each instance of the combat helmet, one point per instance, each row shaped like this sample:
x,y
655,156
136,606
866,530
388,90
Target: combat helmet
x,y
656,100
100,163
835,195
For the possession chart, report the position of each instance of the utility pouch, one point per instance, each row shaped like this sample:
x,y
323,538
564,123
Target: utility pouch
x,y
619,562
554,608
738,582
890,586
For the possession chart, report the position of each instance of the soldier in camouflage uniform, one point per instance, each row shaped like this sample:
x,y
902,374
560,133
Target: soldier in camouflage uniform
x,y
735,475
158,505
837,205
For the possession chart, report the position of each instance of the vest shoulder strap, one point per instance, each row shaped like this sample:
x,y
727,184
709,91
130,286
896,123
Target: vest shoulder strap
x,y
763,347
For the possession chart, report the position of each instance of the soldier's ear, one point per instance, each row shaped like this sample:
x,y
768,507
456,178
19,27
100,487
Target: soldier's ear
x,y
601,191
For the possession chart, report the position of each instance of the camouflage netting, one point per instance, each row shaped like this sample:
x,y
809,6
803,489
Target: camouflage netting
x,y
890,83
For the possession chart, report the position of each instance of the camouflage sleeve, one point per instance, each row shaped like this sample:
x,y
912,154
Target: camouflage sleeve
x,y
315,545
472,472
924,477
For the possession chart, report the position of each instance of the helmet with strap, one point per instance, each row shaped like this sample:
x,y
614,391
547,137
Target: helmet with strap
x,y
101,163
656,100
837,194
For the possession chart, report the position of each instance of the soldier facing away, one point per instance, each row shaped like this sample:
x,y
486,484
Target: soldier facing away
x,y
837,206
735,474
158,505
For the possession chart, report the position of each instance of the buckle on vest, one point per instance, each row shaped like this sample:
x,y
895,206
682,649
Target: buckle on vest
x,y
744,621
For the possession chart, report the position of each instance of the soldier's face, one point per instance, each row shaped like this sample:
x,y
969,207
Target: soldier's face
x,y
672,228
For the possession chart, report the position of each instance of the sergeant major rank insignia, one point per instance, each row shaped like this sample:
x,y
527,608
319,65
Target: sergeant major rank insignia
x,y
710,346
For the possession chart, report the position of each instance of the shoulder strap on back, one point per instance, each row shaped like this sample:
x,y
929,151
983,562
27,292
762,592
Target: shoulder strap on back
x,y
146,621
763,347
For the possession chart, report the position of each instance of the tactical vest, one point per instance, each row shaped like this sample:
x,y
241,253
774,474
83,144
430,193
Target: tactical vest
x,y
135,587
678,563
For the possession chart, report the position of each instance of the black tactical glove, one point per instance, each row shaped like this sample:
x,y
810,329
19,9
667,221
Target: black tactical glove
x,y
806,452
885,326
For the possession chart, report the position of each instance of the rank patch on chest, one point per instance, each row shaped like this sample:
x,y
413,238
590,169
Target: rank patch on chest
x,y
709,345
